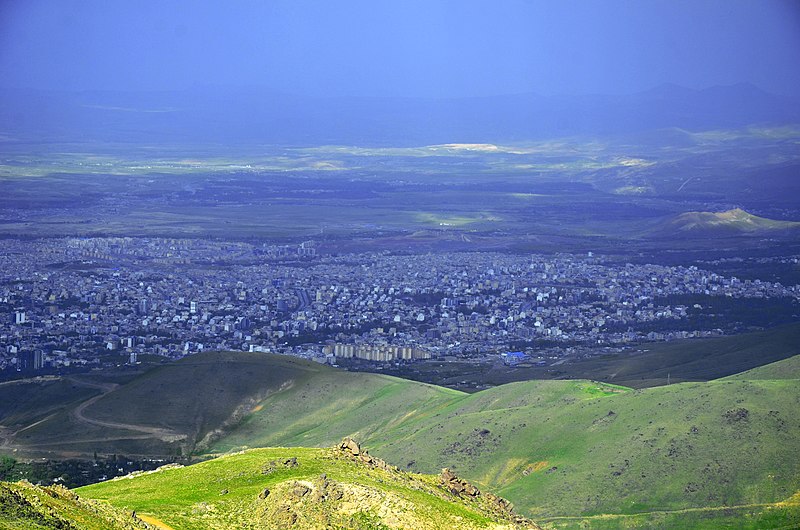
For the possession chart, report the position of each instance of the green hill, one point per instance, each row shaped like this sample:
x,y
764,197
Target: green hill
x,y
579,449
182,407
301,488
569,453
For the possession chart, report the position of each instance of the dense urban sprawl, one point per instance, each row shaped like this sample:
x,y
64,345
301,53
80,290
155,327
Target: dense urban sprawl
x,y
81,301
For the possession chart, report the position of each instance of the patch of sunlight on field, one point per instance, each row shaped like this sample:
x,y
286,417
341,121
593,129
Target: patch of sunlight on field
x,y
453,220
526,196
505,472
794,500
635,162
633,190
154,522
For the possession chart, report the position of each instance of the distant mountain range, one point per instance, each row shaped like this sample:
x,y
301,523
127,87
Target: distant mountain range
x,y
251,115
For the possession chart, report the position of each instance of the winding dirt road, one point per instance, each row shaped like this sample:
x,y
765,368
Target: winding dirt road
x,y
79,413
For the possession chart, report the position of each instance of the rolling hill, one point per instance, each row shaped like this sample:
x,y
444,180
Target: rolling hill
x,y
568,453
303,488
735,222
180,408
296,488
588,450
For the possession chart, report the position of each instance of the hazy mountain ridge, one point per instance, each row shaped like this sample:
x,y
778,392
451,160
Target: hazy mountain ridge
x,y
255,115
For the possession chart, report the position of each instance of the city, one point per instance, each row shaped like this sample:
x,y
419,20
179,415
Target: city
x,y
88,302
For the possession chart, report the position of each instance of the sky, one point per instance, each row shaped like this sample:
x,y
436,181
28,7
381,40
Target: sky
x,y
409,48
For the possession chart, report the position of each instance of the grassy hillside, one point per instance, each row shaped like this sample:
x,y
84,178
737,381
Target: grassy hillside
x,y
321,410
301,488
785,369
26,401
579,449
570,453
555,453
24,506
183,406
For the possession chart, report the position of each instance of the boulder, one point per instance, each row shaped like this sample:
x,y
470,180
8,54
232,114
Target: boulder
x,y
351,446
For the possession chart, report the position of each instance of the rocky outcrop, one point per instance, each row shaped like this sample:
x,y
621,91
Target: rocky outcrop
x,y
494,503
448,480
499,503
456,485
24,505
353,449
351,446
274,465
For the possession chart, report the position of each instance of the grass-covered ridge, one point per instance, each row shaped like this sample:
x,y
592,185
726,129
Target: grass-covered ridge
x,y
577,448
301,488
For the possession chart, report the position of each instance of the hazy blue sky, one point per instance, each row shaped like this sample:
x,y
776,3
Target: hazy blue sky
x,y
408,47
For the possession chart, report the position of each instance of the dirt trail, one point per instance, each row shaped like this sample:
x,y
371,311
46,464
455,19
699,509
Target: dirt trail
x,y
149,519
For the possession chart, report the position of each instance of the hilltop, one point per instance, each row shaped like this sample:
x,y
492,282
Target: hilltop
x,y
301,488
296,488
720,224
